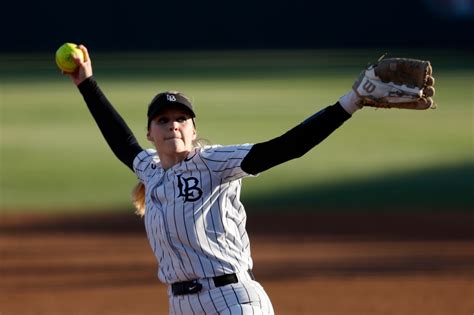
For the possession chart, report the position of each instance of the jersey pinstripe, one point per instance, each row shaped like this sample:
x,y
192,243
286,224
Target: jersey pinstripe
x,y
245,297
194,219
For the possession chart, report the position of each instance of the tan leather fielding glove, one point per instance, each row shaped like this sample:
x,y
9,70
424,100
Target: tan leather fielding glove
x,y
396,83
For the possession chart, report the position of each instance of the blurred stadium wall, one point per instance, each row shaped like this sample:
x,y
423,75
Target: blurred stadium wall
x,y
175,25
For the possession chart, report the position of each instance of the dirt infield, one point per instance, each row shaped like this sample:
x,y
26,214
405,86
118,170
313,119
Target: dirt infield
x,y
308,264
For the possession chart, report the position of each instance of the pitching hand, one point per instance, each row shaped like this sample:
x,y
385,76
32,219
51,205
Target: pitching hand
x,y
84,67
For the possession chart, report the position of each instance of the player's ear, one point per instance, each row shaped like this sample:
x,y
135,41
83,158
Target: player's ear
x,y
148,136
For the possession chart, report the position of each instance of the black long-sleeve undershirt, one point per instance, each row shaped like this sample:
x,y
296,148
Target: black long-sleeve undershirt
x,y
261,156
114,129
295,142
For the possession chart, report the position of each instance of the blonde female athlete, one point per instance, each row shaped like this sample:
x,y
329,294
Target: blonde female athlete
x,y
190,199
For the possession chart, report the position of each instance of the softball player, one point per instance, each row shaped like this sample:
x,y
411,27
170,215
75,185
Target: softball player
x,y
194,219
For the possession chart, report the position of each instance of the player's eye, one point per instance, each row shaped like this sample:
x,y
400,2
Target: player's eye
x,y
181,119
162,120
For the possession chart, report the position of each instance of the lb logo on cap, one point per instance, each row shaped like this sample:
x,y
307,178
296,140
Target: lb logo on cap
x,y
171,97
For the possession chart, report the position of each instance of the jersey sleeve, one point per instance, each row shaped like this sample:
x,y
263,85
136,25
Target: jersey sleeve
x,y
144,163
225,161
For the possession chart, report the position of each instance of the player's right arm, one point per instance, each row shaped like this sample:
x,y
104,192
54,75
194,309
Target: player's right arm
x,y
114,129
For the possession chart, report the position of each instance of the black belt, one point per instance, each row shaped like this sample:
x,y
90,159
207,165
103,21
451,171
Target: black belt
x,y
193,286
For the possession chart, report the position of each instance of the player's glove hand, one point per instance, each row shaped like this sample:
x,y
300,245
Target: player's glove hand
x,y
396,83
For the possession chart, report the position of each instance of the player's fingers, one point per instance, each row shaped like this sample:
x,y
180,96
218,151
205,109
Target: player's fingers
x,y
84,69
85,52
77,60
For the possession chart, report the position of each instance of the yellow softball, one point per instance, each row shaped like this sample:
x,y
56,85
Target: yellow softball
x,y
64,57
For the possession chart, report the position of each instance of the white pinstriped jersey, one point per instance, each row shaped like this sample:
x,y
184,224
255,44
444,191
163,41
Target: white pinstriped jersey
x,y
194,219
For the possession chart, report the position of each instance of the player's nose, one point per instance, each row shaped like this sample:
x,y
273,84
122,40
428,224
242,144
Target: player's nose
x,y
174,126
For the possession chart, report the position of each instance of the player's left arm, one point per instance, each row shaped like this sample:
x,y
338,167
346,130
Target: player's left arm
x,y
295,142
389,83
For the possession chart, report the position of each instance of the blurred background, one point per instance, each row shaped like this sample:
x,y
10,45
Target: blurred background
x,y
171,25
254,70
377,219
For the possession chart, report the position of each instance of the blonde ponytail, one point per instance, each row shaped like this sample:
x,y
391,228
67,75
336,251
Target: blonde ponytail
x,y
138,199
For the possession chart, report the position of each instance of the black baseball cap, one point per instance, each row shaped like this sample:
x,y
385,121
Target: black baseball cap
x,y
166,99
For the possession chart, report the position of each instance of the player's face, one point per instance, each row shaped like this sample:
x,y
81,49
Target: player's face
x,y
172,132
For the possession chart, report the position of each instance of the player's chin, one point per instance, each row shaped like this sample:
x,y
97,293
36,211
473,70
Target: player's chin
x,y
175,146
174,143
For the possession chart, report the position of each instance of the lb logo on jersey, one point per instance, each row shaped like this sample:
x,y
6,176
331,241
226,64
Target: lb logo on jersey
x,y
188,188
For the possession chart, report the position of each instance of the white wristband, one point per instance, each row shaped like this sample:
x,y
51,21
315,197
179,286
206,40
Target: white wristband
x,y
348,102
